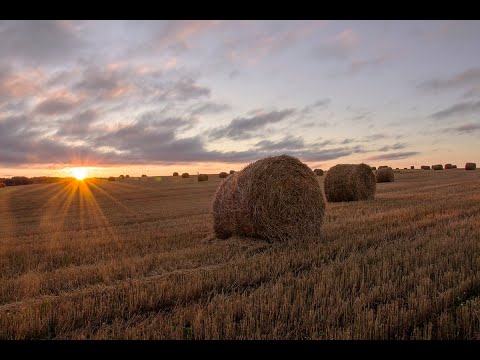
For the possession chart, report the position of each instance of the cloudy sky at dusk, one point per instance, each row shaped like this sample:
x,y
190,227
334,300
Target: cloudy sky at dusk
x,y
207,96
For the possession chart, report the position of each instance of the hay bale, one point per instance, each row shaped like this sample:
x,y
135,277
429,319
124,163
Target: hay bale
x,y
425,167
454,166
383,167
2,185
144,175
175,173
350,182
121,177
437,167
385,175
412,167
318,172
448,166
185,175
127,176
111,178
404,168
202,177
275,198
470,166
223,175
232,171
373,168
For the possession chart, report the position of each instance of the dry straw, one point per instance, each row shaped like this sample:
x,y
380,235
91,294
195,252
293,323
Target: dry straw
x,y
185,175
350,182
385,175
470,166
202,177
275,198
223,175
437,167
318,172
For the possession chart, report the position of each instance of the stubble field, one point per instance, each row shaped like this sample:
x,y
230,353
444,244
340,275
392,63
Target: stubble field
x,y
136,259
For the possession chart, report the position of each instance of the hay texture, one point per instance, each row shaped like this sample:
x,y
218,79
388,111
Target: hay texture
x,y
275,198
350,182
223,175
437,167
202,177
185,175
385,175
175,173
318,172
448,166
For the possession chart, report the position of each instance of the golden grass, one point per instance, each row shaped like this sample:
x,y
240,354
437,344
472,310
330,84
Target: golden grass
x,y
136,260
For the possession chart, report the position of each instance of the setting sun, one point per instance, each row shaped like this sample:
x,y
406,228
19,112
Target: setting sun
x,y
79,173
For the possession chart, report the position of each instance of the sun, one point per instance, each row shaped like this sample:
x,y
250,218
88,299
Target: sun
x,y
79,173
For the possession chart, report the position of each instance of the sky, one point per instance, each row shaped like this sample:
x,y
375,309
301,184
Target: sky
x,y
153,97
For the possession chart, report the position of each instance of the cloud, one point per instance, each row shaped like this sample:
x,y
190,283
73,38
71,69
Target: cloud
x,y
243,128
464,129
58,104
319,104
209,108
39,41
78,125
15,83
464,108
372,63
469,77
396,146
394,156
288,143
339,47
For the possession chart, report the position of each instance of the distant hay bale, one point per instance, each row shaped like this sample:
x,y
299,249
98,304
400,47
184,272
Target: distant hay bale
x,y
350,182
397,169
275,198
111,178
385,175
454,166
373,168
144,175
185,175
175,173
437,167
470,166
383,167
318,172
232,171
2,185
223,175
202,177
122,176
404,168
412,167
425,167
448,166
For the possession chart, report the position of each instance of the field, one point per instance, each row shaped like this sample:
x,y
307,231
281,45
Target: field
x,y
136,259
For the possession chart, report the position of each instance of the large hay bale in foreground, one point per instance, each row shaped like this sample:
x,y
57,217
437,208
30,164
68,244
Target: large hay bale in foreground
x,y
437,167
275,198
350,182
470,166
185,175
175,173
223,175
318,172
425,167
2,185
383,167
448,166
385,175
202,177
232,171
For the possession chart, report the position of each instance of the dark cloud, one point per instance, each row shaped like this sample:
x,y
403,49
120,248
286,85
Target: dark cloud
x,y
322,103
288,143
78,125
376,136
39,41
469,77
56,106
464,129
244,128
209,108
397,146
464,108
394,156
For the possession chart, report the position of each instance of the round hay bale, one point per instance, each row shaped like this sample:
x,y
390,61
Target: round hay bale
x,y
144,175
122,176
232,171
470,166
404,168
275,198
2,185
202,177
318,172
111,178
185,175
425,167
350,182
175,173
448,166
437,167
385,175
454,166
223,175
383,167
412,167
